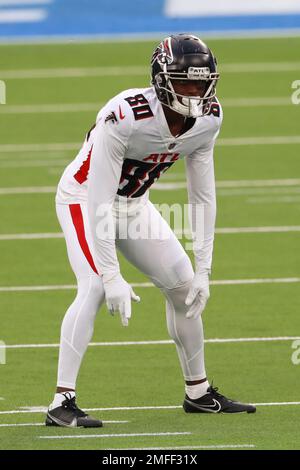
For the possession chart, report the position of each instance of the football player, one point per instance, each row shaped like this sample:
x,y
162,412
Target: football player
x,y
139,134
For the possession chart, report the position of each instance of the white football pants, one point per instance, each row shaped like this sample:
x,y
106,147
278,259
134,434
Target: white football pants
x,y
161,258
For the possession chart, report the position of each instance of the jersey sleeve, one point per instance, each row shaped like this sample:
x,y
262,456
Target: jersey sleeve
x,y
110,143
202,200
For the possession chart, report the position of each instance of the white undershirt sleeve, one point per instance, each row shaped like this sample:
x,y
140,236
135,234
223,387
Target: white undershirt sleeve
x,y
202,204
104,175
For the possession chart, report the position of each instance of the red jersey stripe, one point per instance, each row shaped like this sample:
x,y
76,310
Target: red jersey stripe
x,y
77,219
82,174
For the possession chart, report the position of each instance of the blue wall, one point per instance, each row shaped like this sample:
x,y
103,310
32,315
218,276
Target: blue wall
x,y
71,18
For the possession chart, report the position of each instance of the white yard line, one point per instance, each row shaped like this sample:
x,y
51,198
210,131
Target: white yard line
x,y
238,188
38,288
273,200
226,141
64,108
101,436
31,236
278,191
228,282
257,183
137,70
89,107
43,409
222,282
13,425
155,342
78,72
53,166
268,140
283,229
56,147
235,191
28,190
221,231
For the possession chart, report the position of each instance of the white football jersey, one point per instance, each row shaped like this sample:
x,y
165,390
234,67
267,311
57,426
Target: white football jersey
x,y
130,147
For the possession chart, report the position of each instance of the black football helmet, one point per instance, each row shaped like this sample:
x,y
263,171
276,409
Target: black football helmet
x,y
184,57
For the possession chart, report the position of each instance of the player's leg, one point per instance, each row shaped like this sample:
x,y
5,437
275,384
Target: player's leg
x,y
78,323
159,255
164,260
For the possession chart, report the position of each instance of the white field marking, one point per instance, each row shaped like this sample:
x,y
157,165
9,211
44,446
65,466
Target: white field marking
x,y
23,16
256,102
239,230
56,147
229,230
31,236
225,188
13,425
228,141
21,424
159,187
225,230
222,282
273,200
155,342
53,166
139,408
169,186
228,282
52,108
217,446
88,107
38,288
145,37
226,191
134,37
136,70
28,190
101,436
257,183
278,192
268,140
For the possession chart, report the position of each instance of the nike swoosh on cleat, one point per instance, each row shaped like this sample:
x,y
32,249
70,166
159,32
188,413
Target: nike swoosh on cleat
x,y
122,116
213,408
73,424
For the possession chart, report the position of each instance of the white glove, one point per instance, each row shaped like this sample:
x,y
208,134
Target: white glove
x,y
198,294
118,294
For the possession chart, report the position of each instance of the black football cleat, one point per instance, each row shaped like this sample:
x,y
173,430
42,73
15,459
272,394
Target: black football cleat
x,y
214,402
70,416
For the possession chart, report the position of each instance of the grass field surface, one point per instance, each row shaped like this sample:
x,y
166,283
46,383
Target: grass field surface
x,y
135,386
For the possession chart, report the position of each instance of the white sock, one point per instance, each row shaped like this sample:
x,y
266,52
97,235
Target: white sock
x,y
196,391
59,398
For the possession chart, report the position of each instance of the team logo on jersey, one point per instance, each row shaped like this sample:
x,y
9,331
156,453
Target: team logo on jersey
x,y
111,117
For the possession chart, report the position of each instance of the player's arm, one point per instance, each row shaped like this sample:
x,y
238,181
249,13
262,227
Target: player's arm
x,y
104,175
202,200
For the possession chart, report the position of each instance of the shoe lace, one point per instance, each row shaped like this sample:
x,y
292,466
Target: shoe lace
x,y
70,404
214,391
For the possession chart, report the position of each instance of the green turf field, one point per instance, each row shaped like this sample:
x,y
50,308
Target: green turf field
x,y
258,187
